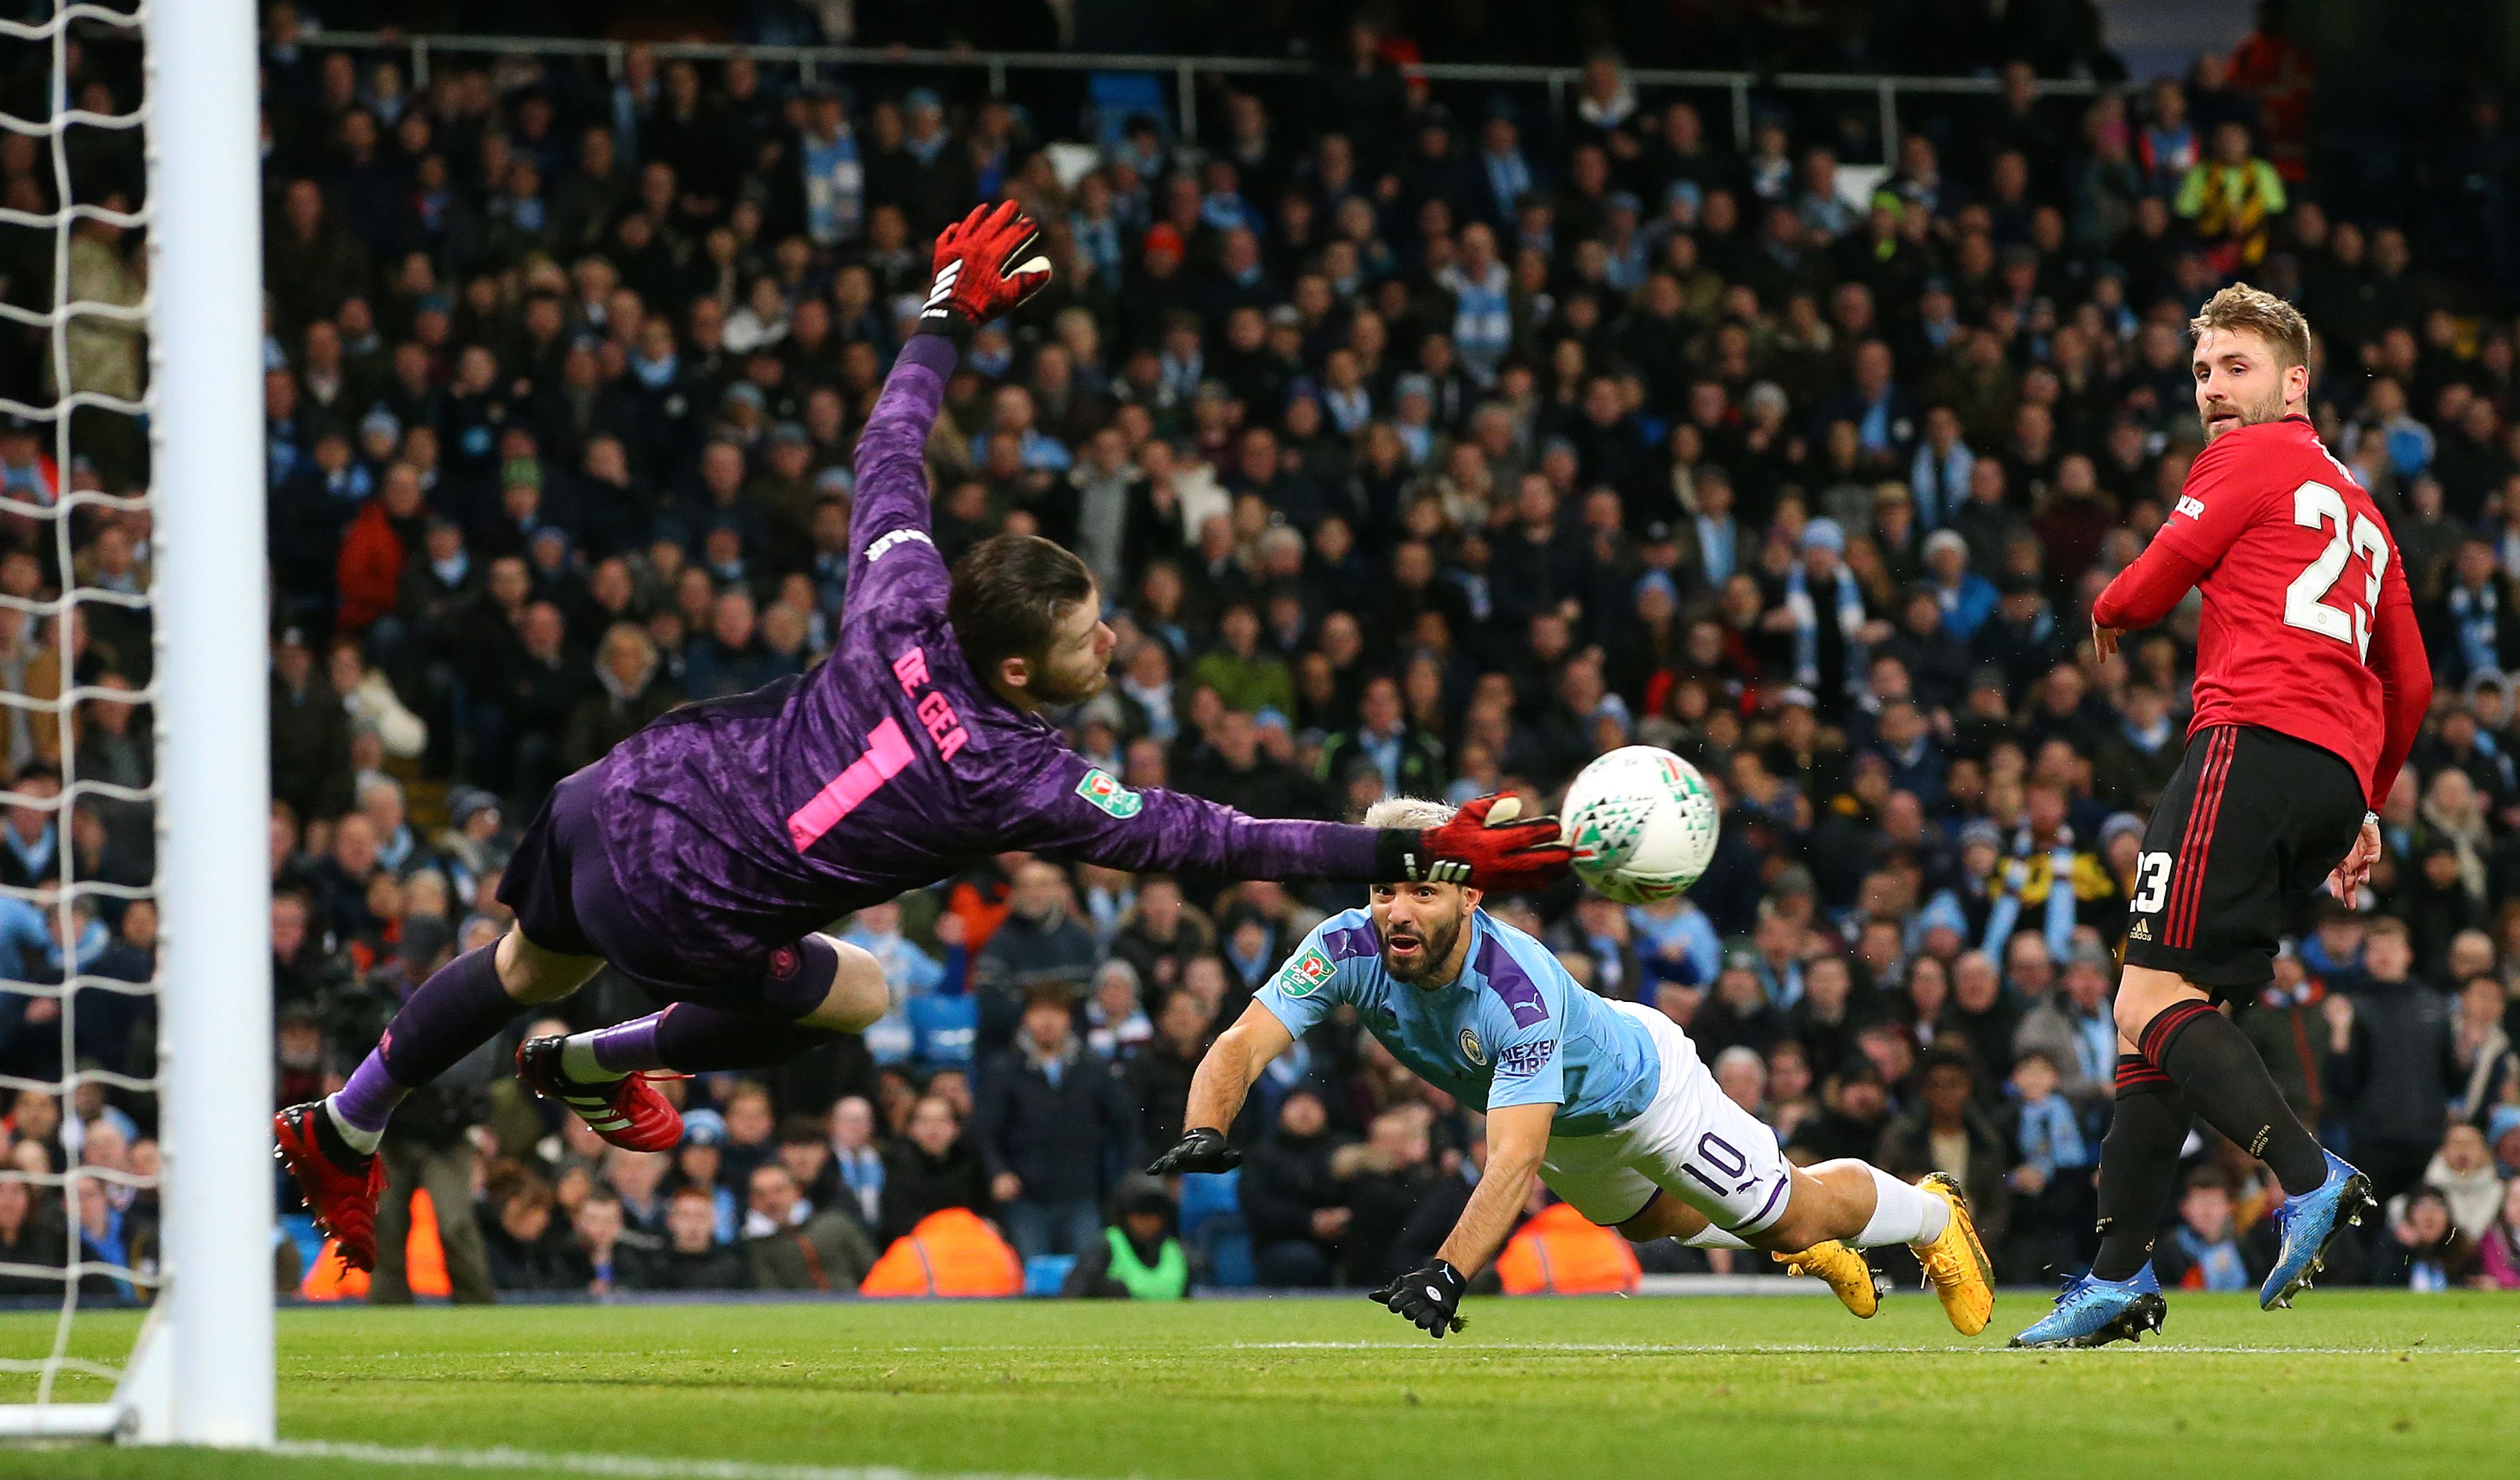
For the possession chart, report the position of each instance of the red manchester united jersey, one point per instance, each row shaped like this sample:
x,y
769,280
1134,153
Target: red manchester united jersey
x,y
2298,568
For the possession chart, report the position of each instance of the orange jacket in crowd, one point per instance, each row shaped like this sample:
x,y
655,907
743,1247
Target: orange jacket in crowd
x,y
1562,1253
951,1252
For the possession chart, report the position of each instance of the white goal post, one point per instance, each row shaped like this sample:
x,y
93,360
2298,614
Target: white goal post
x,y
202,1371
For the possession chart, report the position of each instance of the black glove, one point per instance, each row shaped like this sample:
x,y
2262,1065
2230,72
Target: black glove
x,y
1200,1151
1430,1297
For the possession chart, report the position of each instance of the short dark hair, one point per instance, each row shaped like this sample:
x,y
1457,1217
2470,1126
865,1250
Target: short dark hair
x,y
1009,590
1940,1056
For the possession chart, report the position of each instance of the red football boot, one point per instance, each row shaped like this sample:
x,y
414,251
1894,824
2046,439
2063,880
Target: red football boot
x,y
340,1186
628,1111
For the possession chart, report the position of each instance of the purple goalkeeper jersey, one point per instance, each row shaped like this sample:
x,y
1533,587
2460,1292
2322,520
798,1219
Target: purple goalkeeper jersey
x,y
738,825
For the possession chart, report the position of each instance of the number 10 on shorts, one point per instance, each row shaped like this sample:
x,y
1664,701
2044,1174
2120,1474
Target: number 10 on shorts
x,y
2151,883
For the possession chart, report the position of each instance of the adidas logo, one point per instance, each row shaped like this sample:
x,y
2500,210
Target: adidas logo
x,y
943,290
2142,931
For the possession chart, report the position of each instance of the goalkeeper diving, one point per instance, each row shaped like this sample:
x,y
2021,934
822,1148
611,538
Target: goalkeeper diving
x,y
703,856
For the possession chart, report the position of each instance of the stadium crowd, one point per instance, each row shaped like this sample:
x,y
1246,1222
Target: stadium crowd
x,y
1424,443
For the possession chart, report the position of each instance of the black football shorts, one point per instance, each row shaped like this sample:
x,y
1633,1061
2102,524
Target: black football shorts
x,y
2247,829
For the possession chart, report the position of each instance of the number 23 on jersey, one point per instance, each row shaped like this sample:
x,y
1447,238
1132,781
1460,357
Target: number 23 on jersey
x,y
2316,505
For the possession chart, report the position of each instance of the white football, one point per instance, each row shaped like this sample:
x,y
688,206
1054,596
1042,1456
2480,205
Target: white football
x,y
1642,823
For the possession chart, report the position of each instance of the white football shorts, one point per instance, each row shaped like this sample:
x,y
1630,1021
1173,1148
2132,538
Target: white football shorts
x,y
1691,1143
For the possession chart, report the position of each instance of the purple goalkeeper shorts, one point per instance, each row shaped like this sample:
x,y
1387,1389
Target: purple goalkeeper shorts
x,y
560,883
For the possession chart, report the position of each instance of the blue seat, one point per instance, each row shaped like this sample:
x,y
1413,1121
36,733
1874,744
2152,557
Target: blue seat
x,y
1221,1256
1046,1273
1113,98
1212,1228
1206,1196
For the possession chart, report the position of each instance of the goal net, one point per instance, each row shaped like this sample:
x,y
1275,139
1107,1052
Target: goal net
x,y
135,1072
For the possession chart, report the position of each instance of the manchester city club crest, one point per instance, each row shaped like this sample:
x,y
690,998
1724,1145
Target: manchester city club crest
x,y
1472,1048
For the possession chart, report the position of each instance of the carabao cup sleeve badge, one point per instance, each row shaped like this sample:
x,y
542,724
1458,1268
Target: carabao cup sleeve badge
x,y
1304,975
1104,791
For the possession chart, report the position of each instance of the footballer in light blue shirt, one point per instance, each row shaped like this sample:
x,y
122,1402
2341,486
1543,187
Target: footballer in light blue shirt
x,y
1510,1028
1605,1101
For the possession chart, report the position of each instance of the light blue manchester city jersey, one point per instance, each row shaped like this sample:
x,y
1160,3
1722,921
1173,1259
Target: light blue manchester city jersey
x,y
1512,1029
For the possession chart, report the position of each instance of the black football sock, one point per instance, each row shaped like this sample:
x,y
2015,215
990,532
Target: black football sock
x,y
2225,1081
2139,1166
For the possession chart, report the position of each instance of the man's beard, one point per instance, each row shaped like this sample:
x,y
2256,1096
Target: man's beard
x,y
2251,414
1053,692
1433,948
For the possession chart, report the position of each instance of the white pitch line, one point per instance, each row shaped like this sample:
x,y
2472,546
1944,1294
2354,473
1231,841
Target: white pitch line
x,y
613,1466
1725,1349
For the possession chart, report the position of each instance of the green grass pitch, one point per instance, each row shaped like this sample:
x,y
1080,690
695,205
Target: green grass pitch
x,y
2362,1384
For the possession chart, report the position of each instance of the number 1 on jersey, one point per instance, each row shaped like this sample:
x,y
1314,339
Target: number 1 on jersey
x,y
888,755
2305,600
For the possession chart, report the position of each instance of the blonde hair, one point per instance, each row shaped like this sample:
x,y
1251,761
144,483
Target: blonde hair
x,y
2254,310
1408,812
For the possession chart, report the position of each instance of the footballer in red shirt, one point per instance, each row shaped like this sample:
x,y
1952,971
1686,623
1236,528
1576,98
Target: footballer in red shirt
x,y
2311,680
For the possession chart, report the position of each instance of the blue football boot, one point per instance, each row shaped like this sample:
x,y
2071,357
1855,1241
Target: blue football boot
x,y
2097,1312
2311,1222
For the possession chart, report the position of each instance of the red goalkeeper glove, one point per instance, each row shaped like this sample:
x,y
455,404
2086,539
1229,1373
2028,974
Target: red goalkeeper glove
x,y
986,264
1487,845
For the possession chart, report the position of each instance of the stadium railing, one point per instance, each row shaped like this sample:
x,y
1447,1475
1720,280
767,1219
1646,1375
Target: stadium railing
x,y
421,50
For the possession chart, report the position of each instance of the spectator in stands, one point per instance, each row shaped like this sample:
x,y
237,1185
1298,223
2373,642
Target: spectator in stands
x,y
856,1177
528,1249
597,1227
2462,1172
2500,1257
805,1151
694,1256
637,1179
2204,1251
931,1167
1159,1072
1946,1132
1138,1257
1050,1119
793,1245
751,1131
2424,1250
2394,1038
700,1164
1290,1197
1039,948
1382,1179
30,1235
2073,1030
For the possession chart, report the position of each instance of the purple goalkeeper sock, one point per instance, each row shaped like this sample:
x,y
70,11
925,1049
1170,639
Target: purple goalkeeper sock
x,y
457,1009
690,1038
368,1100
628,1047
